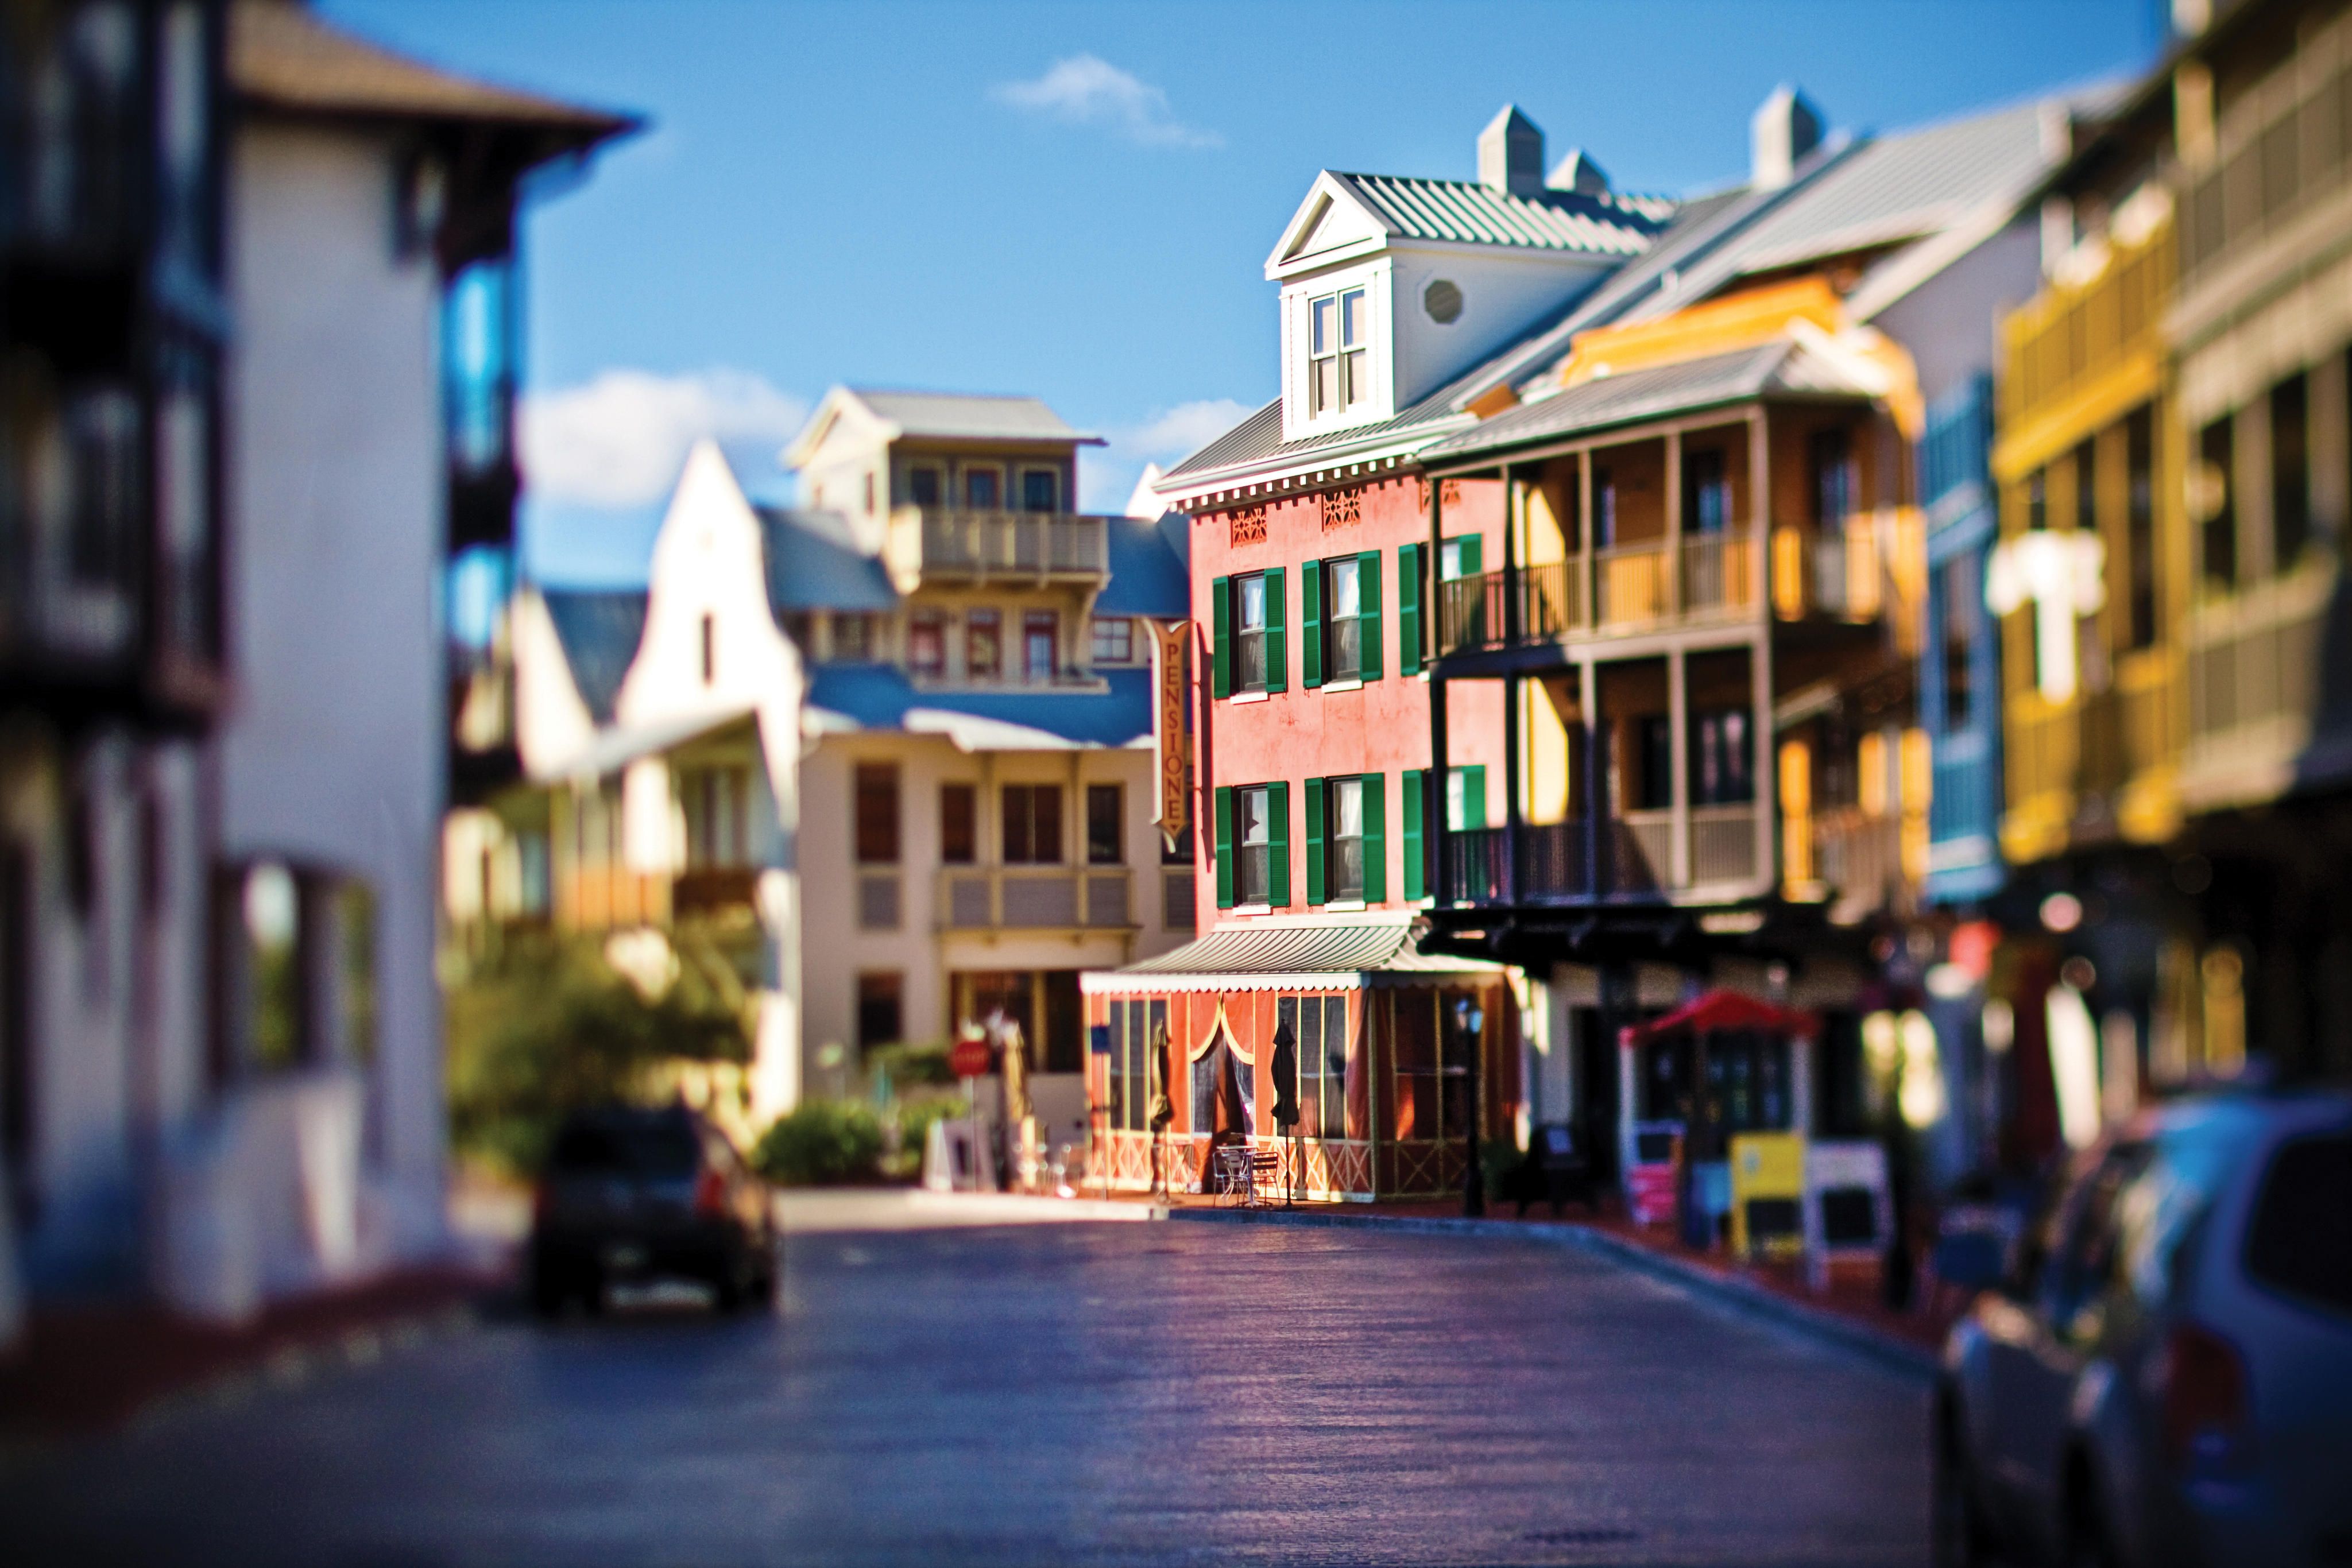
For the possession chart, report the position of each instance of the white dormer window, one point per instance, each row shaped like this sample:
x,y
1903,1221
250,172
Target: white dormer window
x,y
1339,329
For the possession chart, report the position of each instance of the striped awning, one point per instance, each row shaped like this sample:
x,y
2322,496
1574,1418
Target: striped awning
x,y
1314,954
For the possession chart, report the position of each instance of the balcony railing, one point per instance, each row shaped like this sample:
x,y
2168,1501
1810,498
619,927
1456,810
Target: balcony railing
x,y
1554,861
2281,153
1833,571
1720,572
2069,337
1472,611
936,542
1859,857
1632,585
977,898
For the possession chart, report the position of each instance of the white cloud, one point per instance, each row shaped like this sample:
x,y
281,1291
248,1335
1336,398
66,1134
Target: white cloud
x,y
1165,437
1084,90
620,439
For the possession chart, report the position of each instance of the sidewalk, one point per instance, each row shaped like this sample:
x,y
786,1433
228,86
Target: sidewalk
x,y
89,1368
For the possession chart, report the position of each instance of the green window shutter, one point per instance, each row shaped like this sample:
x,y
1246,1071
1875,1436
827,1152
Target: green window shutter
x,y
1416,866
1224,846
1221,608
1277,810
1315,889
1376,837
1473,554
1310,624
1278,662
1369,565
1473,797
1407,610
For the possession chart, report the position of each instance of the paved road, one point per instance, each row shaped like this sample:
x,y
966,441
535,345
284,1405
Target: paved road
x,y
1176,1393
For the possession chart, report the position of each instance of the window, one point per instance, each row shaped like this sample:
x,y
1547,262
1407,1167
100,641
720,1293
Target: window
x,y
2140,524
1722,759
1319,1027
877,814
1338,327
1252,847
983,490
716,804
1106,826
1343,866
958,824
1037,488
1114,640
2086,488
1605,509
1343,628
923,487
2290,472
1706,493
983,644
1962,598
1461,557
881,1011
1465,799
1653,787
1032,824
1835,484
1249,632
1134,1026
2215,490
1039,632
709,651
853,637
2037,499
927,642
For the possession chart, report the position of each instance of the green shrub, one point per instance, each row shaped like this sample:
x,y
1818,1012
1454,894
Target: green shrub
x,y
911,1066
821,1143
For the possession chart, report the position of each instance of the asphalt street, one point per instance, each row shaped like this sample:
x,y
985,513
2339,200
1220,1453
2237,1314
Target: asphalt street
x,y
1170,1393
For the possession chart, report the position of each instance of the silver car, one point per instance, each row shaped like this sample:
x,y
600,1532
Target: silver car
x,y
2163,1373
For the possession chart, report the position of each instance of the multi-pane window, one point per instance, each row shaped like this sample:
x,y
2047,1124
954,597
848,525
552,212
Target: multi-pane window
x,y
1320,1028
1834,482
958,824
881,1009
1037,489
1032,824
1106,825
1343,865
876,806
1343,629
923,487
1249,632
927,642
1040,630
983,644
1114,640
1722,759
983,490
716,803
1706,493
1253,845
1338,328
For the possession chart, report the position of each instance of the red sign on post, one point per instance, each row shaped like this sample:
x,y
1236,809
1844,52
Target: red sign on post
x,y
970,1059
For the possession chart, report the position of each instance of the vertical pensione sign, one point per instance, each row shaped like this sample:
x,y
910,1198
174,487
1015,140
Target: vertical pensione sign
x,y
1169,642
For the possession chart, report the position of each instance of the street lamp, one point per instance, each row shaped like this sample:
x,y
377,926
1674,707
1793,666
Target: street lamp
x,y
1473,1021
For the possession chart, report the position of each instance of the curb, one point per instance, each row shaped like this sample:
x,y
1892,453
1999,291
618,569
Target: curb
x,y
1890,1354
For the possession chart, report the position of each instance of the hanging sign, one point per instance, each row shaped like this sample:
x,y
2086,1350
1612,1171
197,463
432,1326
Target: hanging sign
x,y
1170,642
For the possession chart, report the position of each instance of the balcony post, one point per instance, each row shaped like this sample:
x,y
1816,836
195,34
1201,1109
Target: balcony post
x,y
1513,629
1433,808
1583,564
1674,583
1596,780
1759,512
1678,858
1514,730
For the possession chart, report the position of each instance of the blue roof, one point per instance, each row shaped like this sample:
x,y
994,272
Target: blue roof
x,y
600,631
878,696
811,567
1151,568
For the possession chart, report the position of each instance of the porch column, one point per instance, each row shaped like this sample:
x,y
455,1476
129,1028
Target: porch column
x,y
1596,782
1582,563
1434,813
1765,771
1512,512
1678,750
1514,735
1673,597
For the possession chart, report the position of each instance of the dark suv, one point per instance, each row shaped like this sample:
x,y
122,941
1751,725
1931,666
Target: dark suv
x,y
635,1194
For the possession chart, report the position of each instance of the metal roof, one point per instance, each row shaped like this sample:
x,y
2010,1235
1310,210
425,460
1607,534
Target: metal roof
x,y
881,697
967,416
1319,953
283,55
1782,367
1472,214
600,631
1150,570
1259,437
810,565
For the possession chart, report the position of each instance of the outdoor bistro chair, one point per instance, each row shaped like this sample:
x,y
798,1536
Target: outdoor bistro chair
x,y
1265,1171
1232,1174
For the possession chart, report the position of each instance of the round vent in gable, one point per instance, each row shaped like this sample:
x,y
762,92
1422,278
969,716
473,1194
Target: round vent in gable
x,y
1443,300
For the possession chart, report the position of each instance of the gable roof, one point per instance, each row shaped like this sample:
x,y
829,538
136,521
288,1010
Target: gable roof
x,y
812,565
935,416
281,55
600,631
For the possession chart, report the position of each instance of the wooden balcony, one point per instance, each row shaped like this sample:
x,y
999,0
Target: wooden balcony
x,y
1554,863
2254,687
1833,574
949,544
2080,356
1630,588
1035,898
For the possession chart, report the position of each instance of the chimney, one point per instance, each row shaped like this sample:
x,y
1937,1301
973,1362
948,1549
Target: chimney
x,y
1579,174
1786,129
1510,153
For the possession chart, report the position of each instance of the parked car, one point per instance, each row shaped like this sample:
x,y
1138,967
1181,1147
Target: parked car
x,y
632,1196
2163,1374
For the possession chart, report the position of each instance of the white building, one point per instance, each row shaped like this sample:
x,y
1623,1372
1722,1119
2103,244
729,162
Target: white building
x,y
905,735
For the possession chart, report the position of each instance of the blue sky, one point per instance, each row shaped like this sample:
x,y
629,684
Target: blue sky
x,y
1077,200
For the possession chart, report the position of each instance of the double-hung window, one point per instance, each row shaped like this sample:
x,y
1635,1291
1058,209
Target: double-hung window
x,y
1032,824
1040,630
1722,759
1249,632
1254,845
1343,610
1343,867
1114,639
1037,489
1340,620
1246,651
1706,493
1347,855
1338,328
983,490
